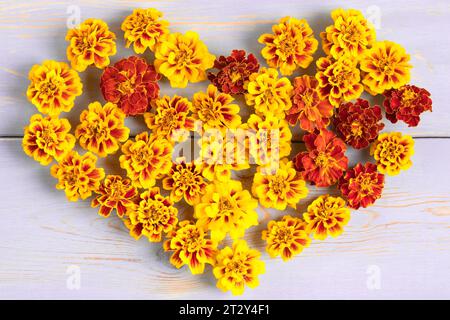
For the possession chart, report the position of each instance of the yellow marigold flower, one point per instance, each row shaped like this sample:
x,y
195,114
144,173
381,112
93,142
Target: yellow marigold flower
x,y
182,58
115,193
153,216
269,138
350,34
215,109
90,43
226,208
146,159
269,94
45,139
185,180
393,152
102,128
77,175
53,87
280,188
339,80
171,118
291,45
190,247
237,267
143,29
325,216
386,66
286,238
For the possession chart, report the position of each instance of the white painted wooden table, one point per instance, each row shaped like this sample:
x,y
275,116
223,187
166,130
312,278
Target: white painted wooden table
x,y
404,238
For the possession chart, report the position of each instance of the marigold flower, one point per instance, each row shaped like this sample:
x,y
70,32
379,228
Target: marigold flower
x,y
406,104
270,138
102,128
226,208
281,188
324,160
152,216
215,109
45,139
308,108
358,123
237,267
386,66
132,84
143,28
286,238
53,87
90,43
146,159
291,45
183,58
77,175
393,152
339,80
185,180
350,34
362,185
171,118
326,216
190,247
115,193
269,94
234,72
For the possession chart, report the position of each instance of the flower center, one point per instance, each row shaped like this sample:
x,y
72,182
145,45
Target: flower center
x,y
193,241
278,185
235,76
408,97
365,184
127,87
284,235
225,204
322,160
391,151
116,190
50,87
356,129
48,137
385,66
187,178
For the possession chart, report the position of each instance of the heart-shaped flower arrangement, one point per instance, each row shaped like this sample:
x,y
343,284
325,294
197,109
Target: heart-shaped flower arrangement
x,y
355,62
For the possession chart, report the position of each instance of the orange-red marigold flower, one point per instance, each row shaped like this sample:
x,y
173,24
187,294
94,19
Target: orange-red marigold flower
x,y
308,108
324,160
358,123
131,84
234,71
362,185
406,104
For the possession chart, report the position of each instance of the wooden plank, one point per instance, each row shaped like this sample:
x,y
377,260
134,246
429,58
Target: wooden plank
x,y
33,31
404,238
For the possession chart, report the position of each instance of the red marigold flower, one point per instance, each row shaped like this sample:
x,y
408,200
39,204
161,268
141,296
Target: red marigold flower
x,y
362,185
358,123
131,84
307,107
324,160
407,103
234,71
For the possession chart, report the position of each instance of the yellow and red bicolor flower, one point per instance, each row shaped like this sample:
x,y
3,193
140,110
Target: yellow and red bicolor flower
x,y
226,208
115,193
362,185
45,139
102,128
326,216
153,216
183,58
191,247
291,45
78,175
53,87
238,266
146,159
286,238
393,152
90,43
324,160
143,29
269,94
281,188
385,66
350,34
